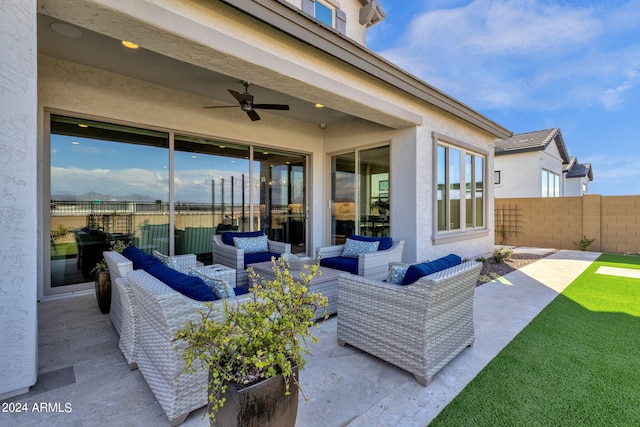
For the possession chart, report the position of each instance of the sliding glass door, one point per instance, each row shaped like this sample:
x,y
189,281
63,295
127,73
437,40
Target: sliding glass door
x,y
361,176
160,191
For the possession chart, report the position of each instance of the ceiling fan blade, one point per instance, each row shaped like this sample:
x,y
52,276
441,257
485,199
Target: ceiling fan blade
x,y
253,115
237,95
271,106
221,106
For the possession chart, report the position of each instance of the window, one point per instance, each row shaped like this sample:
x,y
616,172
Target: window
x,y
460,172
550,184
496,177
325,13
328,12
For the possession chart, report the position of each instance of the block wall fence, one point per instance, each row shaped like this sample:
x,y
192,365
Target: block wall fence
x,y
557,222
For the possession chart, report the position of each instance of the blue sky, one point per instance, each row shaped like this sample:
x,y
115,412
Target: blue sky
x,y
531,65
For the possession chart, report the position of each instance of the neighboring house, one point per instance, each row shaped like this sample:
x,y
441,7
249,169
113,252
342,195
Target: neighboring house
x,y
577,177
537,164
100,141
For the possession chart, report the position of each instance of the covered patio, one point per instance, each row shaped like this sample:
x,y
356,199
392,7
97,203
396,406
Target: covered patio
x,y
84,380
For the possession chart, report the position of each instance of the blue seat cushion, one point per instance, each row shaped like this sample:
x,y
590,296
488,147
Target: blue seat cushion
x,y
258,257
347,264
416,271
240,290
385,242
189,286
139,258
227,236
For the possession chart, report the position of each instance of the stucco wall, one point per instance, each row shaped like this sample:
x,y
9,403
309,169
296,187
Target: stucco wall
x,y
18,200
519,175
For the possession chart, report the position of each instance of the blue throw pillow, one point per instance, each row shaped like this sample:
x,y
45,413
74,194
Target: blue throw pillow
x,y
385,242
417,271
227,236
139,258
189,286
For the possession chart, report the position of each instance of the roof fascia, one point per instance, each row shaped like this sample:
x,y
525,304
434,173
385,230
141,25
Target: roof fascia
x,y
290,20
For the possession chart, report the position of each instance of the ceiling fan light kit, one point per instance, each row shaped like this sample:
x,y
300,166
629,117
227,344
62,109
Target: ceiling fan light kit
x,y
246,103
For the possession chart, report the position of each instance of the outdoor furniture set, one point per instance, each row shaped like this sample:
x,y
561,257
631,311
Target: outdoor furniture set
x,y
418,327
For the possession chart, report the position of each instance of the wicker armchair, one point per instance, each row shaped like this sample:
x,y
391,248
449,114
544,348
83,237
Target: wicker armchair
x,y
418,327
233,257
161,313
123,310
373,265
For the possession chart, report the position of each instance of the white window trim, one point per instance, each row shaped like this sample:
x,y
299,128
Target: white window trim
x,y
448,236
330,4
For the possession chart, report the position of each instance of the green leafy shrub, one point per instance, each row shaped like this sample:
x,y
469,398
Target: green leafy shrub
x,y
264,336
502,254
584,244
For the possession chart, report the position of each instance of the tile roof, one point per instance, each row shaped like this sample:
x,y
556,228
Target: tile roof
x,y
532,141
578,170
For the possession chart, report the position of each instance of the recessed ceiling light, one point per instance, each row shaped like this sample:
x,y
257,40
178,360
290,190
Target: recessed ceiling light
x,y
265,152
82,125
318,105
130,45
66,29
222,146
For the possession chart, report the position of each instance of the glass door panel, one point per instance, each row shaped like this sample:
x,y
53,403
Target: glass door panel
x,y
343,197
211,193
281,196
107,183
373,170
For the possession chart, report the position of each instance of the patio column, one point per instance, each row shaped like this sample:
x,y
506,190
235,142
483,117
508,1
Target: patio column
x,y
18,196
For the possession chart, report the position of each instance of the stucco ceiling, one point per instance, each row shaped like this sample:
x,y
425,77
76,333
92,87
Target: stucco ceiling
x,y
92,49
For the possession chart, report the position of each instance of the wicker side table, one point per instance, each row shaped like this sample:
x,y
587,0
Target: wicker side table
x,y
219,271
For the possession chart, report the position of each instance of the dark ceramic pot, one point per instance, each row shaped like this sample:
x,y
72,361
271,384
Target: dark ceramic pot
x,y
103,290
261,404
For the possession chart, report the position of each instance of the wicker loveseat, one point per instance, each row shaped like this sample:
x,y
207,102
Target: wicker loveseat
x,y
418,327
161,312
224,252
374,265
123,310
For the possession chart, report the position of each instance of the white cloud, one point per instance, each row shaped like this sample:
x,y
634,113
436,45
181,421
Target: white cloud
x,y
525,54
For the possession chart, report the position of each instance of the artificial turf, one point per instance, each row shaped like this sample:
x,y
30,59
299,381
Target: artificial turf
x,y
576,364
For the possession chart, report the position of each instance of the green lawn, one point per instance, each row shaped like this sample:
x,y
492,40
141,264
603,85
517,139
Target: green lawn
x,y
63,250
576,364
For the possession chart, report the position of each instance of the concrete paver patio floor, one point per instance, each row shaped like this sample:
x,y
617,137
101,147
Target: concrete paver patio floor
x,y
80,363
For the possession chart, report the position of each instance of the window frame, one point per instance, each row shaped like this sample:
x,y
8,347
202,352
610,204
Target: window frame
x,y
464,232
550,192
329,5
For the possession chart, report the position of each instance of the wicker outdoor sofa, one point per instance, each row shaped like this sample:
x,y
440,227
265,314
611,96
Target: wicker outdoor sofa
x,y
123,311
418,327
161,313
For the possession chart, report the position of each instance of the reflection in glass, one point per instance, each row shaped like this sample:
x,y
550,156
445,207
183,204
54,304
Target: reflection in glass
x,y
454,188
280,194
343,197
100,193
211,187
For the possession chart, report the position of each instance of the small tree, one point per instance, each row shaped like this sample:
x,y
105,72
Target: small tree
x,y
584,244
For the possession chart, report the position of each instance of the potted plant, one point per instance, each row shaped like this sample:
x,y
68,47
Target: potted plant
x,y
103,279
254,350
382,205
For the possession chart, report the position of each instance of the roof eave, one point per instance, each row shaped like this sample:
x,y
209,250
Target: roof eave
x,y
286,18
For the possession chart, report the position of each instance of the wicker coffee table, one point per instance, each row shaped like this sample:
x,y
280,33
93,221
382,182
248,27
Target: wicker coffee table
x,y
326,284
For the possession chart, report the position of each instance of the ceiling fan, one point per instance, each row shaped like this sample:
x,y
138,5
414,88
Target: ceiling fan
x,y
246,103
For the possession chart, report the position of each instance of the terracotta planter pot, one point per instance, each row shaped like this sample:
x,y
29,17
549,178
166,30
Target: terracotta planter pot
x,y
261,404
103,290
